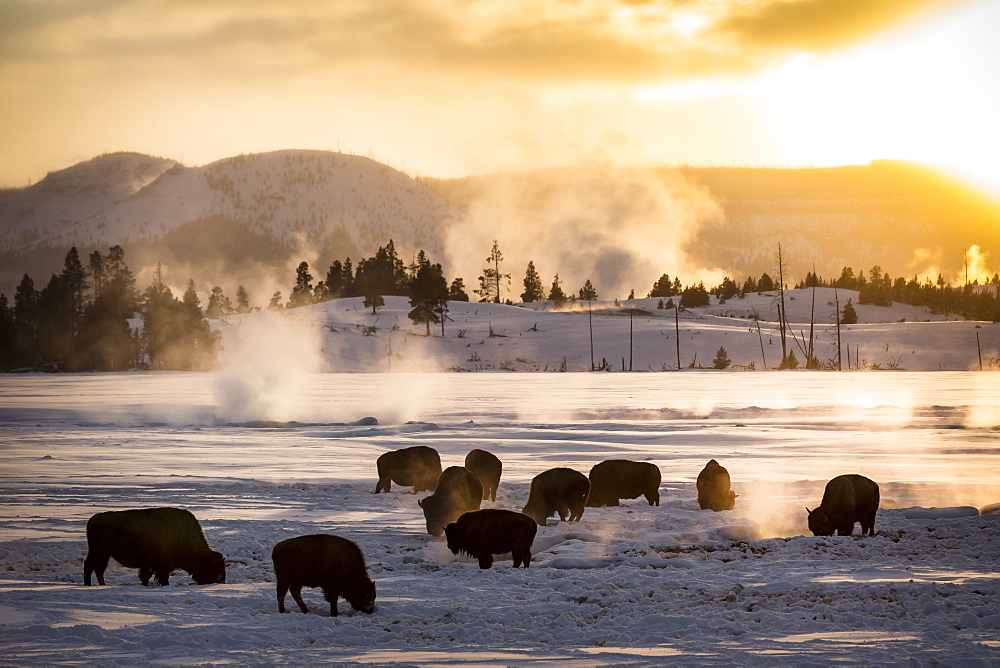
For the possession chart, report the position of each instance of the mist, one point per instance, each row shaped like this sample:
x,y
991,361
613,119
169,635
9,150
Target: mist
x,y
619,228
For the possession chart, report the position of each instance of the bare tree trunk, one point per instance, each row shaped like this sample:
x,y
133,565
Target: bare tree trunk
x,y
836,303
781,310
677,332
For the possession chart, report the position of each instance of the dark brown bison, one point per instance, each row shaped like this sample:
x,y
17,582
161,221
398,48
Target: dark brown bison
x,y
323,560
488,468
713,488
157,541
847,499
559,490
418,466
483,533
458,490
616,479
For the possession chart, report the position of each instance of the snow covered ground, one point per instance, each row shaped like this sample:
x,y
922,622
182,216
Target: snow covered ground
x,y
634,584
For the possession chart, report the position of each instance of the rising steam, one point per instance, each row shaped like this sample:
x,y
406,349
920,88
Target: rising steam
x,y
620,228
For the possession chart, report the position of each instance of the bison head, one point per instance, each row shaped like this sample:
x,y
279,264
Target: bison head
x,y
363,599
819,523
456,537
211,569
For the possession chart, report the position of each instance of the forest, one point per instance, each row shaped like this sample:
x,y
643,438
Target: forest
x,y
93,317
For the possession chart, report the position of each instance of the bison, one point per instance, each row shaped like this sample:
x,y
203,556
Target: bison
x,y
847,499
713,488
616,479
418,466
488,468
323,560
458,490
483,533
157,541
559,490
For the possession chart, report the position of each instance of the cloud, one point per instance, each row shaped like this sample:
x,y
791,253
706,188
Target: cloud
x,y
598,41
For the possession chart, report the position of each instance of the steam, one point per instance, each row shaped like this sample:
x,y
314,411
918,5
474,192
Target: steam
x,y
620,228
263,366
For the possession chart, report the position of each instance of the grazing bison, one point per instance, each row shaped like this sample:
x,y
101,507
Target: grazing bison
x,y
157,541
616,479
488,468
713,488
458,490
847,499
418,466
323,560
483,533
559,490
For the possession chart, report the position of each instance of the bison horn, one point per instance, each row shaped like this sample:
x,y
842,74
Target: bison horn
x,y
809,511
420,502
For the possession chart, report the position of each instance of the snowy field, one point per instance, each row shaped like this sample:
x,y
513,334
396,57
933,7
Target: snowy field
x,y
628,585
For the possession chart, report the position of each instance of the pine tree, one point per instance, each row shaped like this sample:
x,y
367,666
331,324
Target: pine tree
x,y
275,303
587,292
334,282
849,316
533,290
556,294
219,304
242,300
428,294
662,287
492,281
694,296
721,360
302,293
456,292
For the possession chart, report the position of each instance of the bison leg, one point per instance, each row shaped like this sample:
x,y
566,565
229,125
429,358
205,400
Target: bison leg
x,y
282,589
653,497
332,597
521,557
95,563
485,561
297,595
161,576
383,485
145,573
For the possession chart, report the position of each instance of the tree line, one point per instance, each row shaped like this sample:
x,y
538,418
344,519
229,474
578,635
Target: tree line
x,y
93,318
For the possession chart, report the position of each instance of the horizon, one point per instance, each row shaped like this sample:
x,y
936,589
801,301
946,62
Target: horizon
x,y
783,85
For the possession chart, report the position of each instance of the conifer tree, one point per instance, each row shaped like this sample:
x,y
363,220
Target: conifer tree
x,y
428,294
242,300
662,287
587,292
275,303
849,316
302,293
533,290
456,292
219,304
556,294
492,281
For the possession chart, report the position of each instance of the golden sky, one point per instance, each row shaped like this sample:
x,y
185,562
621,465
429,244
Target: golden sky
x,y
453,87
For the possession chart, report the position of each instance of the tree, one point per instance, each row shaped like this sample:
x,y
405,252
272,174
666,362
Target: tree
x,y
789,361
334,282
721,360
456,292
275,303
533,290
219,304
662,287
374,300
302,293
492,281
428,295
765,284
556,294
849,316
694,296
242,300
587,292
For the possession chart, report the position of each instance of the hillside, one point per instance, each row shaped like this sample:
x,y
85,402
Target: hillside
x,y
344,336
251,219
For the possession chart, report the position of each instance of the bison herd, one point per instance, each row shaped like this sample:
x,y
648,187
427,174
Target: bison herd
x,y
159,541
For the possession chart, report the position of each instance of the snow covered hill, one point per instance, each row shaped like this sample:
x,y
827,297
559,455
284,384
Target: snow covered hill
x,y
343,335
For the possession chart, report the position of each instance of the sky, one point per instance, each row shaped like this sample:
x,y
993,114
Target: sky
x,y
455,87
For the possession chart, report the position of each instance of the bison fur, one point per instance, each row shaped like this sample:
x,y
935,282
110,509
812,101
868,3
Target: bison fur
x,y
458,490
483,533
713,485
847,499
323,560
559,490
157,541
616,479
488,468
418,467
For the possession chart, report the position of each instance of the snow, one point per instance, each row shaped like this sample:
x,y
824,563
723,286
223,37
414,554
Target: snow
x,y
634,584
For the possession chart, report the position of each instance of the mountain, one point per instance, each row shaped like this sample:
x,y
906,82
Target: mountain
x,y
242,218
251,219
